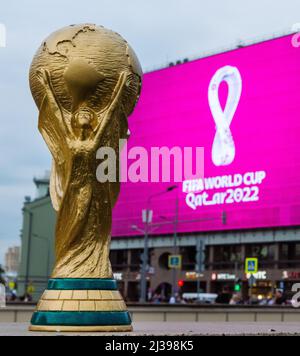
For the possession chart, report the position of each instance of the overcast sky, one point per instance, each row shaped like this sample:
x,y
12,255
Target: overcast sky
x,y
159,31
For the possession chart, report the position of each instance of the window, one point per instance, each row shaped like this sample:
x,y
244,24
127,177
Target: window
x,y
226,256
136,260
289,255
163,260
119,259
264,252
188,258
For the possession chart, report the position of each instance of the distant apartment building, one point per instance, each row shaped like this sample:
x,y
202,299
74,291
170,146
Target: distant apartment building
x,y
12,259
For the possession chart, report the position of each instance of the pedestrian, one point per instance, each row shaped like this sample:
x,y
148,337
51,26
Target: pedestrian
x,y
29,292
172,300
150,294
279,297
224,297
236,299
156,299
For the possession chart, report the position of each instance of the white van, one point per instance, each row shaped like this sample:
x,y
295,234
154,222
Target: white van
x,y
206,298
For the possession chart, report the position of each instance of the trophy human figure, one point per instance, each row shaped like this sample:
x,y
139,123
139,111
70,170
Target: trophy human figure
x,y
85,80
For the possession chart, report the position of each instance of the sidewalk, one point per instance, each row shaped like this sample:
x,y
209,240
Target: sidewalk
x,y
173,329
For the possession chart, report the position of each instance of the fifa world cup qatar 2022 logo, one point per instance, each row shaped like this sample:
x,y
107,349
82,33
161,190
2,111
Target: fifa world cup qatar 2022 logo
x,y
223,149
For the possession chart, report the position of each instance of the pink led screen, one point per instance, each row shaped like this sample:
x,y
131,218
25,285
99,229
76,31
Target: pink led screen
x,y
243,108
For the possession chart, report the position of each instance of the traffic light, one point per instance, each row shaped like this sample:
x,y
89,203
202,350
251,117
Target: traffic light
x,y
180,283
238,285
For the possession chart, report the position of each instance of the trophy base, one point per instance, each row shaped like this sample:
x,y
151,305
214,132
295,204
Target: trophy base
x,y
81,305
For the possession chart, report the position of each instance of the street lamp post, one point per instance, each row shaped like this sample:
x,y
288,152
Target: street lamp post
x,y
145,232
200,262
147,219
175,244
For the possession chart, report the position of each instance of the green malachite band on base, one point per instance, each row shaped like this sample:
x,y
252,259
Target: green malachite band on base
x,y
81,318
82,284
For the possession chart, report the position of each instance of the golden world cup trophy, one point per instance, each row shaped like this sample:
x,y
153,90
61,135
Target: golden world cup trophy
x,y
85,81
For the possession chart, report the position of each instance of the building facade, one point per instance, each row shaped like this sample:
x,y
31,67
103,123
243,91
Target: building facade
x,y
221,263
37,239
224,254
